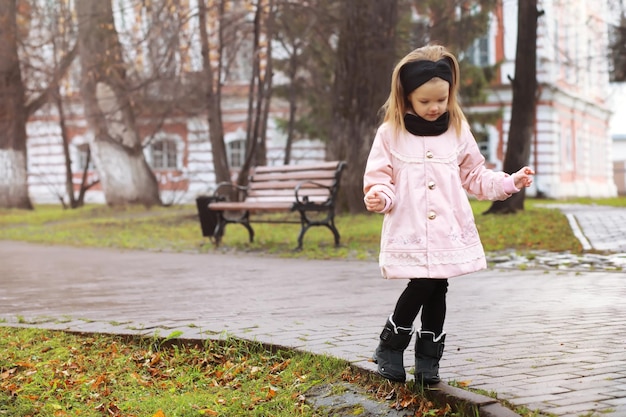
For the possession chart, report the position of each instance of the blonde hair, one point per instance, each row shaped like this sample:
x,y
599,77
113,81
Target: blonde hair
x,y
397,103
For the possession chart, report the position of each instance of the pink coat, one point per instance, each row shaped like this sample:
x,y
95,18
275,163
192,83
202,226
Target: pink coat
x,y
428,228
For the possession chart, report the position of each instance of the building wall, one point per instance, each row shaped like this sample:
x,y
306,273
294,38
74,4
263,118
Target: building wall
x,y
571,150
618,133
193,176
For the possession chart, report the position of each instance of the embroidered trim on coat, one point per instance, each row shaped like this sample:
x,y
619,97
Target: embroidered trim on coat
x,y
460,256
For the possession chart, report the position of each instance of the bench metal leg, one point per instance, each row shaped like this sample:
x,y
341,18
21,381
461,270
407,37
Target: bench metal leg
x,y
220,227
303,230
222,221
245,222
306,223
250,231
333,229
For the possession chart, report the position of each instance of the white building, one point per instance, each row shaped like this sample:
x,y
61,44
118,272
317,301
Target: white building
x,y
618,133
572,149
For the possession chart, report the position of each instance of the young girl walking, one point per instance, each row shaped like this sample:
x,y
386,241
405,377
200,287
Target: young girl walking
x,y
423,162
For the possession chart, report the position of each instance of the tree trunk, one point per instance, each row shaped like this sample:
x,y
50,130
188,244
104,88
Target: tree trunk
x,y
65,140
115,144
255,90
213,95
293,108
267,82
524,104
366,54
617,50
13,115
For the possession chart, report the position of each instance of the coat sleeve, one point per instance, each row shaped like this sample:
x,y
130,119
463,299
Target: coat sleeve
x,y
476,178
378,169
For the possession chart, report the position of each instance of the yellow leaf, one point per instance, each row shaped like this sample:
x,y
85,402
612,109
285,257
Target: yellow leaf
x,y
159,413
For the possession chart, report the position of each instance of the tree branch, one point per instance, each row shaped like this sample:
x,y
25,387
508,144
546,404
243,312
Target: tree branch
x,y
43,98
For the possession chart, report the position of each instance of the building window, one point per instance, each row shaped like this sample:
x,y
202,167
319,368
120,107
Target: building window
x,y
482,134
478,52
236,153
484,149
568,140
83,154
164,154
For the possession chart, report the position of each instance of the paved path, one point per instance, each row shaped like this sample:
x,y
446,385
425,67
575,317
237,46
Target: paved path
x,y
553,341
600,228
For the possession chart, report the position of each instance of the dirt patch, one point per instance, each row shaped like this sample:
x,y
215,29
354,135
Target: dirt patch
x,y
344,400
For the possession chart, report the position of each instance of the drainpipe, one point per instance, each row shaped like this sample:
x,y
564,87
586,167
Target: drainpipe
x,y
539,194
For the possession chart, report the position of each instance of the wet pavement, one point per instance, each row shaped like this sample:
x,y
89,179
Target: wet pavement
x,y
551,339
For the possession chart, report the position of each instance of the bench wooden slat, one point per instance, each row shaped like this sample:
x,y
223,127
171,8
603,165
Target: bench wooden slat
x,y
291,168
287,185
252,206
300,175
286,193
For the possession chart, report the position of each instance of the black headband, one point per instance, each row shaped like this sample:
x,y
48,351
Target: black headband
x,y
414,74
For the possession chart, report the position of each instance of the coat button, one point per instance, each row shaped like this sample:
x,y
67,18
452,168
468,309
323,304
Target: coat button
x,y
431,185
429,155
432,215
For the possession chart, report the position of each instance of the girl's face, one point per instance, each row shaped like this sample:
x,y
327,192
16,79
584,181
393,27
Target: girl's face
x,y
430,100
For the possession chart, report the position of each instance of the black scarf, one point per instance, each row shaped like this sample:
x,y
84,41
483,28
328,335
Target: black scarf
x,y
419,126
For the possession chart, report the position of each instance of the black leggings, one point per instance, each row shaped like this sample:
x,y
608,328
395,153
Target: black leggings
x,y
426,294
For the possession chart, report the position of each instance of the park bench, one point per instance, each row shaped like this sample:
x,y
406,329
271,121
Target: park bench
x,y
310,190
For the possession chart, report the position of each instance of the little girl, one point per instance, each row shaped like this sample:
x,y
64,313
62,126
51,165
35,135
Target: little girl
x,y
423,162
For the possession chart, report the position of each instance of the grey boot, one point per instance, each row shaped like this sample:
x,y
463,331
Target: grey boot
x,y
389,353
428,352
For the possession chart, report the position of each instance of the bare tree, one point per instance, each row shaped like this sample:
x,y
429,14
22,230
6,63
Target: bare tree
x,y
115,144
617,48
58,29
213,88
223,38
315,64
74,200
16,106
13,116
365,58
524,104
296,25
260,88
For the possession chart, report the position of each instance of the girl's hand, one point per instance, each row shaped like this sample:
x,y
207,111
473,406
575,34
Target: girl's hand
x,y
374,201
523,177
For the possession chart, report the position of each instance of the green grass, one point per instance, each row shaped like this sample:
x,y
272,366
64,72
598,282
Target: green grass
x,y
177,229
535,228
49,373
613,202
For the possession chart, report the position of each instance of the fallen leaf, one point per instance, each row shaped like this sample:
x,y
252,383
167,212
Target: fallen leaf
x,y
25,364
8,373
271,392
